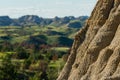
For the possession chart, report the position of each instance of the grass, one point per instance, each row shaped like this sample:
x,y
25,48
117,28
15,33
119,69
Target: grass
x,y
18,60
3,34
19,39
3,54
34,30
56,64
64,49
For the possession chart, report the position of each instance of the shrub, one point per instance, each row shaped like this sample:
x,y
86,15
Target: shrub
x,y
27,63
21,53
7,69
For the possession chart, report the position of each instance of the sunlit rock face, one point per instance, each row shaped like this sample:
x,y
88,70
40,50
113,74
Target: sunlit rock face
x,y
95,53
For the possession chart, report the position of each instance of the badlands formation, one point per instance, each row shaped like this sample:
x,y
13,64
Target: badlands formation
x,y
95,53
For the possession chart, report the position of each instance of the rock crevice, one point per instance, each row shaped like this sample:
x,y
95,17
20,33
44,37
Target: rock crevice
x,y
95,53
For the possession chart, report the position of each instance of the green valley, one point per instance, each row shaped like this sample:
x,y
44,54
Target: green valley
x,y
36,51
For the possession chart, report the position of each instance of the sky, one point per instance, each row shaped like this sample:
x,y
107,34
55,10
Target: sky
x,y
46,8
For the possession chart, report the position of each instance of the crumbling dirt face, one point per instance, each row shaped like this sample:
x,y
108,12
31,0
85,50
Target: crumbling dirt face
x,y
95,53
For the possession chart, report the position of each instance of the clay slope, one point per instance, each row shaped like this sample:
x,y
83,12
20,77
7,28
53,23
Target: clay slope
x,y
95,53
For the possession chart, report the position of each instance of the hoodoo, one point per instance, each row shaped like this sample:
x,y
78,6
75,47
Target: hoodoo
x,y
95,54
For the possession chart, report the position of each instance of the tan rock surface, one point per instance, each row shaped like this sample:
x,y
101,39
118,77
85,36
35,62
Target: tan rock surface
x,y
95,53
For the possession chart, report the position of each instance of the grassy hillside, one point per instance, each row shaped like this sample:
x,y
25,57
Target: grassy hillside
x,y
31,48
18,34
36,51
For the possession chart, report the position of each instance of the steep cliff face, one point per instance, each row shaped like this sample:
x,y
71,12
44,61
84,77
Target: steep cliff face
x,y
95,53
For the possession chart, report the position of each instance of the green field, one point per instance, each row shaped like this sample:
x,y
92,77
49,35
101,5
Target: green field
x,y
31,48
18,34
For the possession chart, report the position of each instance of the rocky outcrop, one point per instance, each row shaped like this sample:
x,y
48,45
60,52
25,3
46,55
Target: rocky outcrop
x,y
95,53
30,20
5,20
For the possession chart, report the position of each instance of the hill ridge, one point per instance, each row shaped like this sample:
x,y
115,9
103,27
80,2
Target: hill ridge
x,y
32,20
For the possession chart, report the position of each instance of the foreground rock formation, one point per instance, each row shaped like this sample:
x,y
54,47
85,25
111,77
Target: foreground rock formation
x,y
95,53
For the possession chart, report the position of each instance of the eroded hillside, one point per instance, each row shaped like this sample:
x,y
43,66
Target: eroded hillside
x,y
95,53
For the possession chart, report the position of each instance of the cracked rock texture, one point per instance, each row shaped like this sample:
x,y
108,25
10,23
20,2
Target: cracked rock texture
x,y
95,53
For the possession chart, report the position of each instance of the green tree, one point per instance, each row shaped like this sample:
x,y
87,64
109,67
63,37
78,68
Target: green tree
x,y
21,53
27,63
7,69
